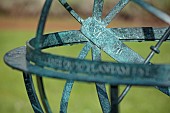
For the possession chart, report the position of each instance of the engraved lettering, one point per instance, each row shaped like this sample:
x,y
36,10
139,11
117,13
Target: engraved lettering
x,y
107,68
121,71
79,66
94,69
125,70
141,72
97,32
67,65
59,63
113,70
118,51
147,73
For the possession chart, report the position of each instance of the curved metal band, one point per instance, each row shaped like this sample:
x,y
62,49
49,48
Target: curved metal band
x,y
39,34
31,93
100,87
158,74
69,83
43,96
64,39
42,21
98,68
65,96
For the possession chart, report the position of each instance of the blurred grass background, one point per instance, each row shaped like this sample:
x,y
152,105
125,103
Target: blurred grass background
x,y
18,21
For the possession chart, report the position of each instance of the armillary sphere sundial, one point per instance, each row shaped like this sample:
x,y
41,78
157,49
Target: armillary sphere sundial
x,y
130,69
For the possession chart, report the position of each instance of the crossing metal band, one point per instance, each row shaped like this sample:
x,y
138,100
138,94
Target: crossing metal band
x,y
114,73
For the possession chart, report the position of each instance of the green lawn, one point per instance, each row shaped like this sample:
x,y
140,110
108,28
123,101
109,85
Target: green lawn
x,y
13,98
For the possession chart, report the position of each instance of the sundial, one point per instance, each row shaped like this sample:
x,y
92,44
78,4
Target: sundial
x,y
130,68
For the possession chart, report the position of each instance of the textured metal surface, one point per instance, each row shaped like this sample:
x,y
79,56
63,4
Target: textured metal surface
x,y
100,87
154,49
43,96
31,93
69,83
116,9
71,11
95,35
114,73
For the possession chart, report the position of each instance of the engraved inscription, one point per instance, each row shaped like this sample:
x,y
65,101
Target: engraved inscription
x,y
102,37
119,51
109,69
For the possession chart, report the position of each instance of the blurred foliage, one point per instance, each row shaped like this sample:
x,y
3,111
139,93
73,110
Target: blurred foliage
x,y
33,7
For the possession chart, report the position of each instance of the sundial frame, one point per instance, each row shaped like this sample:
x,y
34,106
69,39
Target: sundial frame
x,y
132,69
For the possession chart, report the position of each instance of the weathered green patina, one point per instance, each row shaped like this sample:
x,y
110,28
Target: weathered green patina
x,y
131,68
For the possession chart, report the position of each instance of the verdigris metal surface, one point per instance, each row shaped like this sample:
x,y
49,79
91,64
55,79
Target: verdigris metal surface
x,y
95,36
107,72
